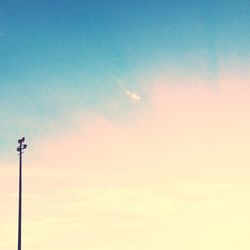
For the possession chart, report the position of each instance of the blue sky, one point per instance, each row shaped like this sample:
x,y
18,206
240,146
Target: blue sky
x,y
45,38
59,57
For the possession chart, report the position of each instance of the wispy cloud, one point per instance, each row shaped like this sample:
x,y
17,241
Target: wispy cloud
x,y
180,169
124,216
134,97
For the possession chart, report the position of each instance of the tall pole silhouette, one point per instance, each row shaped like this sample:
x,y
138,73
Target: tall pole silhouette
x,y
20,149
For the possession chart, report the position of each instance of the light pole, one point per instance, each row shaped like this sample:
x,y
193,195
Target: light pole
x,y
20,149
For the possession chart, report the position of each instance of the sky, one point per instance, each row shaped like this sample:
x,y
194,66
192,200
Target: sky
x,y
136,115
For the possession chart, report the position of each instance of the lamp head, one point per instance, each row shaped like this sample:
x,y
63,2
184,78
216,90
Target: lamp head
x,y
21,140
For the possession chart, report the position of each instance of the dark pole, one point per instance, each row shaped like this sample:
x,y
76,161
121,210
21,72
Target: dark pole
x,y
20,150
20,202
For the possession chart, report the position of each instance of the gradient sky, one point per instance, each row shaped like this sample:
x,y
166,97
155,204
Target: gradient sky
x,y
136,115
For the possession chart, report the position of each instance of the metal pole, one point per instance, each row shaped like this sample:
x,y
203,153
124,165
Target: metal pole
x,y
20,201
20,149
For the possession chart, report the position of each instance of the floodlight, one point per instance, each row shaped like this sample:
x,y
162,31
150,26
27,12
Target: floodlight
x,y
21,140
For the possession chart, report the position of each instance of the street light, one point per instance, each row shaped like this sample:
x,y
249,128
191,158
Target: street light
x,y
20,149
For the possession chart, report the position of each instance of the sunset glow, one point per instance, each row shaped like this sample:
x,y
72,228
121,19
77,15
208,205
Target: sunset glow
x,y
137,121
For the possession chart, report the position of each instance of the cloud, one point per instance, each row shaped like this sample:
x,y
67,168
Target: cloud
x,y
134,97
137,216
196,130
179,168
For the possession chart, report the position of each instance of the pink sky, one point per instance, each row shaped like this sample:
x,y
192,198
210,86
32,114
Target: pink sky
x,y
174,175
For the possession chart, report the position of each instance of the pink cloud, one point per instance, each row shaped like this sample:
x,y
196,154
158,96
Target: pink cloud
x,y
189,131
179,167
